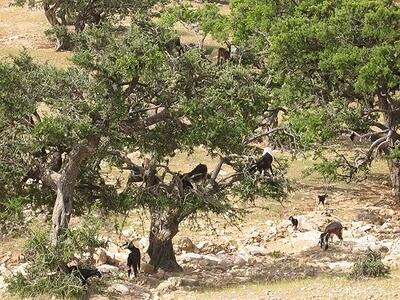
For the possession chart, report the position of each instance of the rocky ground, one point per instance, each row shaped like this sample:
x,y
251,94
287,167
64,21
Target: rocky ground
x,y
276,252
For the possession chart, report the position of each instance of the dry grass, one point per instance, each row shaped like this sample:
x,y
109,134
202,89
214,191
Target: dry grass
x,y
312,288
21,27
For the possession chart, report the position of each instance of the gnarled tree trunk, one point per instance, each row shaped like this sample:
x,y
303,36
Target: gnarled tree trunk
x,y
51,14
394,170
65,185
163,228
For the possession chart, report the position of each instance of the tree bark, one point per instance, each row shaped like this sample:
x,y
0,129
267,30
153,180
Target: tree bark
x,y
65,186
51,14
163,228
394,170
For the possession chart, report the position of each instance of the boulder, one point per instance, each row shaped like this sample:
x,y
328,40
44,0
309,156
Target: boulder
x,y
171,284
252,250
190,256
119,288
147,268
144,243
186,244
203,245
107,268
128,233
3,285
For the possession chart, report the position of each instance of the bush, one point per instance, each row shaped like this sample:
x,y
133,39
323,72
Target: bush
x,y
44,274
369,265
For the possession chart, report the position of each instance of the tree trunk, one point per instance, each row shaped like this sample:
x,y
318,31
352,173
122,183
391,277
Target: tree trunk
x,y
161,251
394,170
62,209
65,185
51,14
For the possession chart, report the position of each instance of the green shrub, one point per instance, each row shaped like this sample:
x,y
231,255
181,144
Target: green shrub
x,y
369,265
44,273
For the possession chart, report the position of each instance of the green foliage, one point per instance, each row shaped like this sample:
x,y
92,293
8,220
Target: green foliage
x,y
44,273
314,127
395,152
203,20
369,265
61,33
276,254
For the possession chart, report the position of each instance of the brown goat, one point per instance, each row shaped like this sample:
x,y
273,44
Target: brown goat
x,y
333,228
223,55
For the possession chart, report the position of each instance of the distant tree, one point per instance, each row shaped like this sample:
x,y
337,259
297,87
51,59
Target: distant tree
x,y
83,13
335,71
132,93
201,21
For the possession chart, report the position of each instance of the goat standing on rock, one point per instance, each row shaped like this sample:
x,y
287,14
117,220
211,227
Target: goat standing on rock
x,y
333,228
294,221
133,259
322,198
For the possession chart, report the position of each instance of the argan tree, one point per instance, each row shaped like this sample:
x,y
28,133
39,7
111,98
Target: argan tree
x,y
334,69
84,13
132,92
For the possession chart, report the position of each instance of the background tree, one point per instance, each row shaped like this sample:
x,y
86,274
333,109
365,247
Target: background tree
x,y
83,13
335,70
201,21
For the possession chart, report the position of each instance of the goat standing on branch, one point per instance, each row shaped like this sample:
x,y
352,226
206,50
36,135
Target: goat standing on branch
x,y
264,163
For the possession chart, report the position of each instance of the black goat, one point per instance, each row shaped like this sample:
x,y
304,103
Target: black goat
x,y
197,174
174,44
83,274
133,261
294,221
333,228
264,163
322,198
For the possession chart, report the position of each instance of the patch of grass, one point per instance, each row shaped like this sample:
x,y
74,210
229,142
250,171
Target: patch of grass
x,y
276,254
307,288
47,272
369,265
58,59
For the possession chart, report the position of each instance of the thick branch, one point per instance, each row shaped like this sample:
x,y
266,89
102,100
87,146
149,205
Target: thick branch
x,y
129,163
253,138
78,154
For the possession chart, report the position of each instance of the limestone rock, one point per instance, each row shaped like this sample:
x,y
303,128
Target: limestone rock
x,y
128,233
186,244
252,250
107,268
144,243
147,268
171,284
119,288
